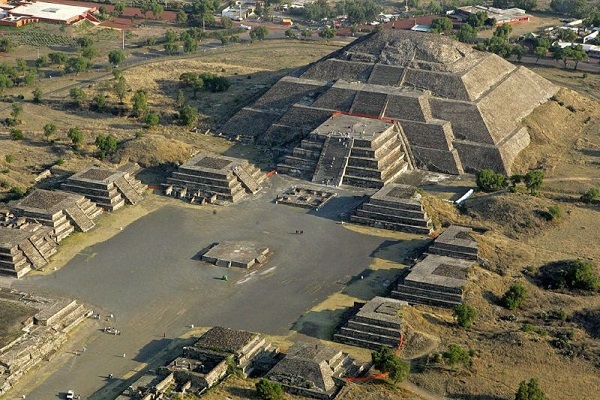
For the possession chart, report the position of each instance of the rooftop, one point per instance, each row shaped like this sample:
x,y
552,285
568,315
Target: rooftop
x,y
357,127
46,200
382,309
457,236
210,163
96,175
225,340
10,237
440,271
53,11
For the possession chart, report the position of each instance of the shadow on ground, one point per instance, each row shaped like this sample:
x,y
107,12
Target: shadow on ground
x,y
401,251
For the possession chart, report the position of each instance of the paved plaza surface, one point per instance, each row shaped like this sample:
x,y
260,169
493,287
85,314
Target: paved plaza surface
x,y
150,277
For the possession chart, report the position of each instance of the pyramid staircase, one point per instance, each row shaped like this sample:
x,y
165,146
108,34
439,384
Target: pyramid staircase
x,y
247,180
333,160
127,190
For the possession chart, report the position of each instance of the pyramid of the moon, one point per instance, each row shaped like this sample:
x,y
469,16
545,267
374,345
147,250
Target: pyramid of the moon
x,y
396,99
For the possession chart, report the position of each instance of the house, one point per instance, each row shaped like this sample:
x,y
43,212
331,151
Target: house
x,y
502,16
53,12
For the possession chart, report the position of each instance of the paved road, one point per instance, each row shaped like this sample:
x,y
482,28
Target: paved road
x,y
147,276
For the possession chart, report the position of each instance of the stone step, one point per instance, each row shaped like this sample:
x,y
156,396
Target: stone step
x,y
414,299
374,328
391,225
453,251
386,340
127,191
79,219
439,294
34,256
333,161
362,181
397,209
406,204
393,218
365,344
246,179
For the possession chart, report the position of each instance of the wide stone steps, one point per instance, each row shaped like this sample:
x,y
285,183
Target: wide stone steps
x,y
422,222
81,221
128,191
382,339
453,251
408,288
398,209
246,179
333,161
375,327
365,344
34,256
391,225
428,301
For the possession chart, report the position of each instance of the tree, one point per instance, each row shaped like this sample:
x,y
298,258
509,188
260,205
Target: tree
x,y
140,102
533,181
16,134
386,360
37,95
107,145
202,10
581,275
514,297
75,135
89,52
57,58
30,78
5,82
171,36
6,45
268,390
478,19
214,83
49,130
464,315
456,355
503,31
181,17
578,54
328,32
590,195
171,48
306,33
593,19
440,25
566,35
121,88
466,33
518,51
157,9
572,8
76,65
144,8
40,61
98,102
116,57
289,33
490,181
180,98
190,45
540,52
17,110
527,5
188,115
119,8
260,33
226,23
530,391
78,96
152,119
84,42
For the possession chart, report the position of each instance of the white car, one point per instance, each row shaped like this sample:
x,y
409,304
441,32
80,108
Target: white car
x,y
70,395
246,27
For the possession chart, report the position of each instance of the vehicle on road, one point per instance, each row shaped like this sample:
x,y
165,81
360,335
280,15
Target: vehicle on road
x,y
246,27
70,394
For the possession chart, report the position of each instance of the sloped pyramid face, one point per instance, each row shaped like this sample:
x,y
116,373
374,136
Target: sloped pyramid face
x,y
457,109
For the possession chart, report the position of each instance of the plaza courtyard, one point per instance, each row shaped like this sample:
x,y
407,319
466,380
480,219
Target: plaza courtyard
x,y
149,276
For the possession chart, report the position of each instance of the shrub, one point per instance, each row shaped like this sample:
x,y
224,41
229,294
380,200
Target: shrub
x,y
75,135
490,181
60,161
106,144
17,190
386,360
590,195
464,315
152,119
9,158
581,275
533,181
530,391
268,390
16,134
514,296
456,355
527,327
555,212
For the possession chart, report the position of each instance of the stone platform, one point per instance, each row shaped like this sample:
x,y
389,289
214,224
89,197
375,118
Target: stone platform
x,y
395,207
434,281
27,247
211,177
349,150
305,197
107,188
62,211
377,323
236,254
456,241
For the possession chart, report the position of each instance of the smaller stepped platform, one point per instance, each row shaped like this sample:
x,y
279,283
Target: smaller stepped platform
x,y
107,188
22,250
395,207
377,323
236,254
210,177
62,211
435,281
349,150
305,197
456,241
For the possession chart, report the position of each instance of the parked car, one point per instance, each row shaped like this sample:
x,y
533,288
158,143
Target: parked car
x,y
70,395
246,27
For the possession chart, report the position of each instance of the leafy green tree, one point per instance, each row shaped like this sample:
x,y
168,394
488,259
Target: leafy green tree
x,y
530,391
456,355
180,98
466,33
464,315
17,110
578,54
157,9
435,8
77,65
440,25
119,8
152,119
84,42
190,45
593,19
490,181
268,390
590,195
566,35
202,11
503,31
226,23
572,8
58,58
6,45
89,52
76,136
120,88
477,20
540,51
518,51
171,48
49,130
171,36
78,96
306,33
260,33
5,82
107,145
30,78
581,275
98,102
16,134
527,5
140,102
181,17
41,61
289,33
328,33
188,115
116,57
386,360
514,297
214,83
37,95
533,181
